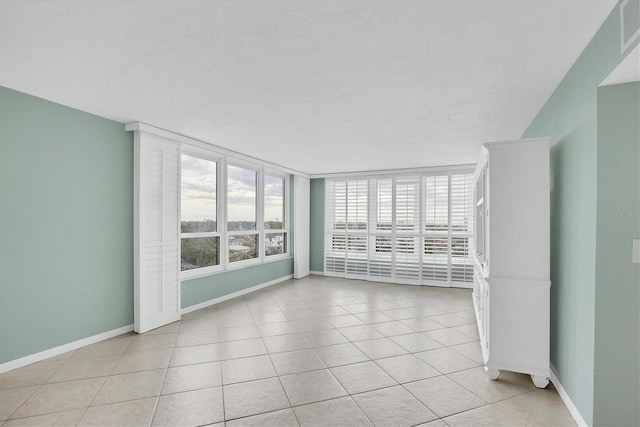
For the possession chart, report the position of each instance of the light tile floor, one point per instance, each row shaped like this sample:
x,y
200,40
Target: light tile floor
x,y
317,351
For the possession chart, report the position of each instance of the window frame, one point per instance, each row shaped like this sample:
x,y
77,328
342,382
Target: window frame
x,y
222,206
286,226
191,151
257,231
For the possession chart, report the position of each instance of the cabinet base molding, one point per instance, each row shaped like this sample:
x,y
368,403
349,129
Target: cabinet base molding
x,y
540,382
492,373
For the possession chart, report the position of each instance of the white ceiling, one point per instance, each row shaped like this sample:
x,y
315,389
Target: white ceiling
x,y
318,86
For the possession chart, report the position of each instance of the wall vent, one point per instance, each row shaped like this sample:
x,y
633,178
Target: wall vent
x,y
629,23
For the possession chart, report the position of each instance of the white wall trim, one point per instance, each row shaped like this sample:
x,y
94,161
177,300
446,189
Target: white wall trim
x,y
567,400
37,357
139,126
52,352
407,171
232,295
316,273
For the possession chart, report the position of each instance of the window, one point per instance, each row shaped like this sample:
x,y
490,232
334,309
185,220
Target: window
x,y
462,210
381,240
275,235
245,222
435,258
199,236
348,221
407,229
242,198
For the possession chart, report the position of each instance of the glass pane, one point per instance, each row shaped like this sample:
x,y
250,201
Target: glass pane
x,y
275,243
241,199
339,189
436,204
357,213
384,205
273,203
243,247
198,195
407,204
199,252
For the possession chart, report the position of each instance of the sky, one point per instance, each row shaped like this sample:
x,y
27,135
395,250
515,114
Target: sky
x,y
199,192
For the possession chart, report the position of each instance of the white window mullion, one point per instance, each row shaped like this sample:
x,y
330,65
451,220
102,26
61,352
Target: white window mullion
x,y
179,222
222,211
449,231
335,227
463,208
347,218
421,221
260,212
393,228
372,224
287,210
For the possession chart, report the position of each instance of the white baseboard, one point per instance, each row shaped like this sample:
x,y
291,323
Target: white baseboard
x,y
567,400
317,273
37,357
234,294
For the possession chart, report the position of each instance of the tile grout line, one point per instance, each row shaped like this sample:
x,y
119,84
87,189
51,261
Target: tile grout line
x,y
284,297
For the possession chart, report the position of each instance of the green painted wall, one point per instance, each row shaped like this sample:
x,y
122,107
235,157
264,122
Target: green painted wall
x,y
617,318
570,118
316,251
66,229
66,225
196,291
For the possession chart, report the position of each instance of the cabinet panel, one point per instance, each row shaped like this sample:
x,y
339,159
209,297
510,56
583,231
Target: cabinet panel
x,y
511,283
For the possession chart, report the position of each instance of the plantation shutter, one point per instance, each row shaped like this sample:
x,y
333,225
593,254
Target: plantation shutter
x,y
336,226
435,257
413,229
381,238
156,238
407,228
462,211
301,224
357,221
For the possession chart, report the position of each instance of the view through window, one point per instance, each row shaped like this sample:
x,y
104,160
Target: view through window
x,y
251,212
242,194
200,240
407,229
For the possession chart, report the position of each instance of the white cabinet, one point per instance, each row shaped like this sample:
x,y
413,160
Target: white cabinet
x,y
511,257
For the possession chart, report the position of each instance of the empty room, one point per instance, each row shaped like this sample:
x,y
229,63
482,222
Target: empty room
x,y
319,213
